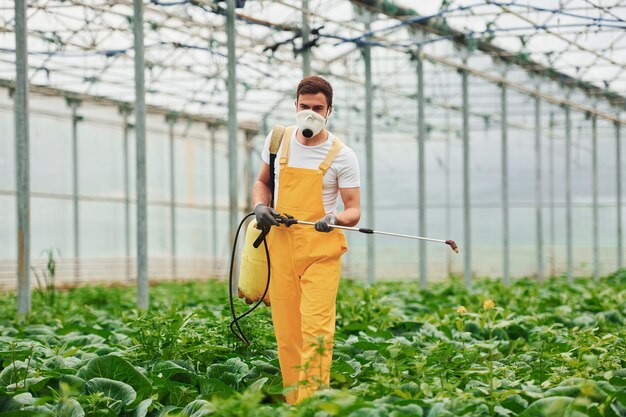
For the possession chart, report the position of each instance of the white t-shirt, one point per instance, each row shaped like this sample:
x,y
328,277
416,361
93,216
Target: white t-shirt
x,y
342,173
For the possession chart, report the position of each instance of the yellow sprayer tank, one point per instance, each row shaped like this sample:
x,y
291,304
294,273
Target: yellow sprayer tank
x,y
253,268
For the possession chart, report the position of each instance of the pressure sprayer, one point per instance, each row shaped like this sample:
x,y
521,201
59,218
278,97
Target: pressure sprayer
x,y
262,233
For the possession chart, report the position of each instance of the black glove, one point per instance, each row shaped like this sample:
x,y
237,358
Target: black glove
x,y
323,224
265,216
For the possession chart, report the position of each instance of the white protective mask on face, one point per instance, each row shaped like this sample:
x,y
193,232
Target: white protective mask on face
x,y
310,123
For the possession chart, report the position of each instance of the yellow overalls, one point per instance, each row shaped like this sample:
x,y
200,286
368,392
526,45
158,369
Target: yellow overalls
x,y
305,267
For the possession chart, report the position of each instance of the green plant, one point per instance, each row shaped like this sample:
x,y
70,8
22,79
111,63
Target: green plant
x,y
46,278
398,351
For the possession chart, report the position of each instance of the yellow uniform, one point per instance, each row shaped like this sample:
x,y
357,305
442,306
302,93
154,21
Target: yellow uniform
x,y
305,267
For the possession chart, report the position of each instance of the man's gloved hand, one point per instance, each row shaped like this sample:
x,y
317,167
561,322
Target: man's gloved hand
x,y
323,224
265,216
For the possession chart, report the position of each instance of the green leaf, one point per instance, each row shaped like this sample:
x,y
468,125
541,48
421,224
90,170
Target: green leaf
x,y
257,385
13,373
198,408
619,378
501,411
425,388
409,410
368,412
122,394
266,367
142,408
575,387
618,409
232,365
438,411
25,413
406,327
69,408
354,327
552,407
408,390
73,381
55,362
19,352
38,329
118,369
25,398
168,370
212,386
169,410
342,367
76,339
515,403
28,383
230,372
8,403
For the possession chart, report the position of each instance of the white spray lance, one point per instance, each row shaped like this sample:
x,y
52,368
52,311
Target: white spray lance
x,y
288,220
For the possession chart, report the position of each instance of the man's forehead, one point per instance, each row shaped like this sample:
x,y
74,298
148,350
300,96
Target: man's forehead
x,y
312,99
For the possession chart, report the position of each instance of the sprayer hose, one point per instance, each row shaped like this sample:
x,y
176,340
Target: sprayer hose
x,y
238,332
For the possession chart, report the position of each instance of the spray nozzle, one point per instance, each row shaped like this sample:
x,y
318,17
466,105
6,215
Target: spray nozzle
x,y
453,245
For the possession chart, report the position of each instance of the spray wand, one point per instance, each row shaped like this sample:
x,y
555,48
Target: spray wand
x,y
288,220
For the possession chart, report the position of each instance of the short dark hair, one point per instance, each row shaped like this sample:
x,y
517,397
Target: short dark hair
x,y
313,85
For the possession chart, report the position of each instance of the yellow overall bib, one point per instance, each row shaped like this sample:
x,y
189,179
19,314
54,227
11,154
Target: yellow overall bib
x,y
305,267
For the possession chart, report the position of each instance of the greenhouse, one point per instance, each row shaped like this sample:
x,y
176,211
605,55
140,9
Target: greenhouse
x,y
134,138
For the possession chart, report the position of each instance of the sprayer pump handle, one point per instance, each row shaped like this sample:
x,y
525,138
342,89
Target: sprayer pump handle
x,y
259,239
287,219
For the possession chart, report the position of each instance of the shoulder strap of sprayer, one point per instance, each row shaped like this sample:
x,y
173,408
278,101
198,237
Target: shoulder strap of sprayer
x,y
277,137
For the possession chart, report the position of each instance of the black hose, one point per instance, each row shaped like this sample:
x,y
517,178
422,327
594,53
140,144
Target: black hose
x,y
235,323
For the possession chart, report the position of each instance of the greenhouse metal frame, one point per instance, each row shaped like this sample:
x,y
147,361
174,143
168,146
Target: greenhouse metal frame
x,y
222,67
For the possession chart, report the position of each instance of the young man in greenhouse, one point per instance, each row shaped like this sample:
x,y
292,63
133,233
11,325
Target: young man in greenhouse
x,y
313,168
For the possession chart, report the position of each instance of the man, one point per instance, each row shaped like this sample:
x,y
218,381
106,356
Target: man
x,y
312,169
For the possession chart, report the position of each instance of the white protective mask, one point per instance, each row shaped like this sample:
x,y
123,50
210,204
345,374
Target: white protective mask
x,y
310,123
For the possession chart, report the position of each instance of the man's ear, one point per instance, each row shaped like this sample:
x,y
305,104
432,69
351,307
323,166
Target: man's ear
x,y
295,103
329,112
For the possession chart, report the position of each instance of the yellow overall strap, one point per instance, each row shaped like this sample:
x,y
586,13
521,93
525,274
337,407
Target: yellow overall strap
x,y
335,148
284,154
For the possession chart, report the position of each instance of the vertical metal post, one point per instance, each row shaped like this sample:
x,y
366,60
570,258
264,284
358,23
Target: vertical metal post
x,y
74,104
213,198
467,220
369,157
125,112
22,161
249,172
421,169
347,257
306,51
232,118
447,193
594,185
618,167
568,194
538,189
140,138
171,121
552,198
506,244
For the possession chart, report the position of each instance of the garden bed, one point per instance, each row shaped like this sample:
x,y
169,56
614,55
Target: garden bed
x,y
534,349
